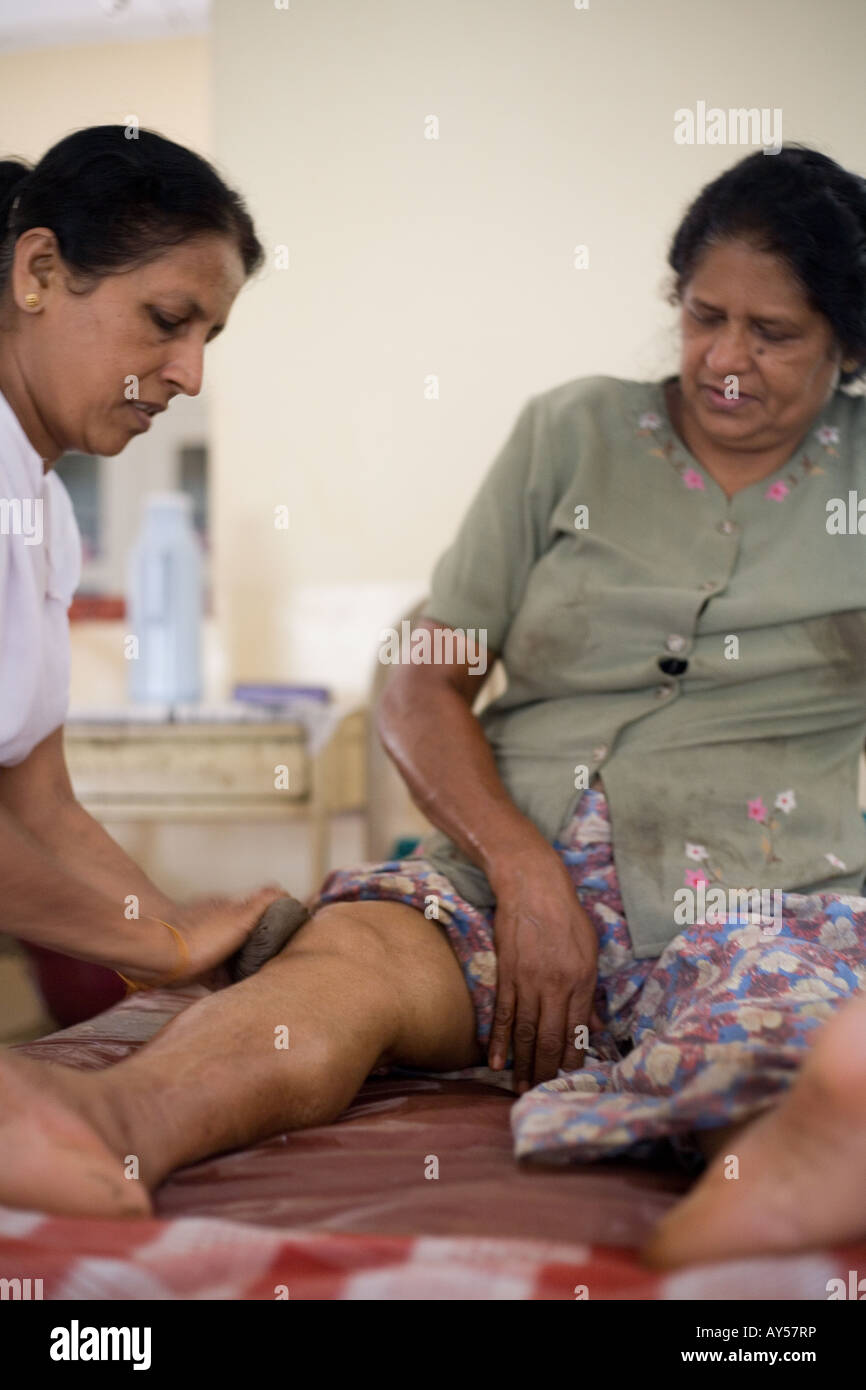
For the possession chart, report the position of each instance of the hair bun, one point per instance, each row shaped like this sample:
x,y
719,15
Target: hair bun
x,y
12,174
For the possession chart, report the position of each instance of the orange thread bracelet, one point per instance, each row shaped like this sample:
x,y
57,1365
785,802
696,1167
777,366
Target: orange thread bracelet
x,y
133,985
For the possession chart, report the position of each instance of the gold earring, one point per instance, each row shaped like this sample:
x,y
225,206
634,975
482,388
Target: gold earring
x,y
31,300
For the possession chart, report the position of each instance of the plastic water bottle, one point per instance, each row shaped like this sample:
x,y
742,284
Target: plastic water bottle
x,y
164,603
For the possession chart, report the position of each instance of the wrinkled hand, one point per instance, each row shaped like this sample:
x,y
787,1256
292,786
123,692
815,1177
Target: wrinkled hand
x,y
547,955
214,928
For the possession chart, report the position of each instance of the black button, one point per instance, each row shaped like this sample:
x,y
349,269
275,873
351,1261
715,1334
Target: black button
x,y
672,665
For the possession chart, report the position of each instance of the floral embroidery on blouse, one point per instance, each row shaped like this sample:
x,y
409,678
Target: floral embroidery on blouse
x,y
756,810
827,436
647,424
699,854
777,491
649,421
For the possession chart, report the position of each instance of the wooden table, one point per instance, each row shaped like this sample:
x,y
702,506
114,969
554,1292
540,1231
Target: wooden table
x,y
156,773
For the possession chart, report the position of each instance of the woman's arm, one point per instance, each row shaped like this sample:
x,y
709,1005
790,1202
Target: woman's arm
x,y
39,794
547,946
426,723
66,883
44,903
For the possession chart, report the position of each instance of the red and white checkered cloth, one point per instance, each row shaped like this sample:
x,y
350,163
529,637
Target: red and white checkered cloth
x,y
195,1258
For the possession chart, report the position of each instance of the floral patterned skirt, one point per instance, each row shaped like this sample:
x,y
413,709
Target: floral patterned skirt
x,y
711,1031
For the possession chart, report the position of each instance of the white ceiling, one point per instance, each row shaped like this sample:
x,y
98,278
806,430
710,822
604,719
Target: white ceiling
x,y
52,23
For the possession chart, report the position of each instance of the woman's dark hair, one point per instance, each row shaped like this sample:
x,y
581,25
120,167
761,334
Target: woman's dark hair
x,y
115,203
803,207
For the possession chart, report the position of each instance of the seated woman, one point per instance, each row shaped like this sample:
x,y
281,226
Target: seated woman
x,y
660,568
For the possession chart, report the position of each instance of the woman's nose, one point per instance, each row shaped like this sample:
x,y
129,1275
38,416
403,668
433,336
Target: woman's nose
x,y
729,353
185,370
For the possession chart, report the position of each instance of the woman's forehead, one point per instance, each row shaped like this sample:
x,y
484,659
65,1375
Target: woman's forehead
x,y
211,262
738,270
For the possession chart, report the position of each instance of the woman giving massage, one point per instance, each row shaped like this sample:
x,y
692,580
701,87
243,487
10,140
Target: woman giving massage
x,y
120,258
684,636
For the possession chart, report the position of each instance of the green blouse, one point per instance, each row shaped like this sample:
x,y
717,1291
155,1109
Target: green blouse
x,y
706,655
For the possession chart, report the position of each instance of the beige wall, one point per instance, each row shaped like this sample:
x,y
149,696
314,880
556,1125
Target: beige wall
x,y
410,256
45,93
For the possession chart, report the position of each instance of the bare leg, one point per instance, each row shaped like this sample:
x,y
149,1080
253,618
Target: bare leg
x,y
360,984
802,1164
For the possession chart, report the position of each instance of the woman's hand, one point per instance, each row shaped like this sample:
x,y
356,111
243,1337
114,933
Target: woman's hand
x,y
547,953
213,929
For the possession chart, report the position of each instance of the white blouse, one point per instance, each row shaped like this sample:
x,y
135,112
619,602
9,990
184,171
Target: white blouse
x,y
40,567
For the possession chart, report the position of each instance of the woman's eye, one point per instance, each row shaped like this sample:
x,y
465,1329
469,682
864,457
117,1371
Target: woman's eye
x,y
765,333
165,325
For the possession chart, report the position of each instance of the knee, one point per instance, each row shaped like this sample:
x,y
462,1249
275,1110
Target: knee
x,y
362,932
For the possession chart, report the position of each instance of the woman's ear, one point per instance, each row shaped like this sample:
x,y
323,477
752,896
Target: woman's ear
x,y
36,265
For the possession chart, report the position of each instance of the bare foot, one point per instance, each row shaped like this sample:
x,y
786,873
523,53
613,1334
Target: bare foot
x,y
51,1157
802,1165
